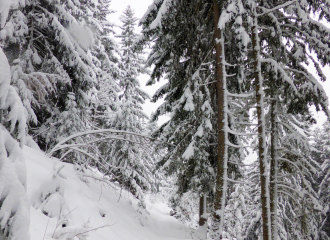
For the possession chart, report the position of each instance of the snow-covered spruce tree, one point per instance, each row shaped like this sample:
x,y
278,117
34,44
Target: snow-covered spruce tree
x,y
73,99
173,55
252,223
282,68
296,200
321,154
130,159
189,99
301,89
235,212
303,92
193,98
105,53
55,63
14,204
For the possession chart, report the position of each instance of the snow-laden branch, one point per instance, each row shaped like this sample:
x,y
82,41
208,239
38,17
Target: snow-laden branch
x,y
288,194
157,22
88,143
239,133
66,153
247,123
266,10
317,41
241,164
103,131
285,183
236,181
241,95
277,67
317,86
290,188
287,126
290,162
94,158
84,152
203,84
235,146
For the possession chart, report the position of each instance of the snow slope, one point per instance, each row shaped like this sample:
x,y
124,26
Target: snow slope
x,y
86,203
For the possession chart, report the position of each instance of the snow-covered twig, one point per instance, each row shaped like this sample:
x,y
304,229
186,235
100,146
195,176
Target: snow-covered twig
x,y
288,194
94,229
46,229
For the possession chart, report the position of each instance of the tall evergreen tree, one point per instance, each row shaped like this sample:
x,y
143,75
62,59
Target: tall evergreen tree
x,y
290,116
192,97
270,61
130,159
321,154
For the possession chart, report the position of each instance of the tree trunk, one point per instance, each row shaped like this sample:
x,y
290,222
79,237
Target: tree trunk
x,y
273,171
202,217
202,211
221,177
261,131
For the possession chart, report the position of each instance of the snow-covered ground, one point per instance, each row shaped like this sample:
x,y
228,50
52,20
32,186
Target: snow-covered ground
x,y
91,207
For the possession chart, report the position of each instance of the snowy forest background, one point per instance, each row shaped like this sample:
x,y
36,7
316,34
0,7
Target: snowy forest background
x,y
240,156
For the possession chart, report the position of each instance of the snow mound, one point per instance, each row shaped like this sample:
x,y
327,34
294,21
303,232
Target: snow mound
x,y
69,203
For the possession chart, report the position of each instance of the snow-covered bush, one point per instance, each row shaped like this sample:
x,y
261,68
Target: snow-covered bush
x,y
14,206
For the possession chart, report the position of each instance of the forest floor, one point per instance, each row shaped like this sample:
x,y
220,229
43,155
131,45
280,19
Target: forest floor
x,y
95,210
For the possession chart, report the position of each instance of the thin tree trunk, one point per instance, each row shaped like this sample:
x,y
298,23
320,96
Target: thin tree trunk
x,y
202,217
221,177
273,171
202,210
266,228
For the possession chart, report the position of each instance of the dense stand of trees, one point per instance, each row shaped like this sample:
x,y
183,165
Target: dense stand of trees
x,y
253,57
237,79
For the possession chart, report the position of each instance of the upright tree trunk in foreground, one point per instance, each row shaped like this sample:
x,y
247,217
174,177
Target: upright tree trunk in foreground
x,y
202,211
221,177
273,171
261,130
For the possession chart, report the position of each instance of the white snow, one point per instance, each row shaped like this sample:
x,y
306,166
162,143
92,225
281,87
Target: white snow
x,y
189,151
4,10
14,209
94,204
162,11
226,15
189,106
9,99
200,131
82,34
4,77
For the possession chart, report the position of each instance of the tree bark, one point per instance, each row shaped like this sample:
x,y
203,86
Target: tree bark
x,y
202,211
273,171
220,191
261,130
